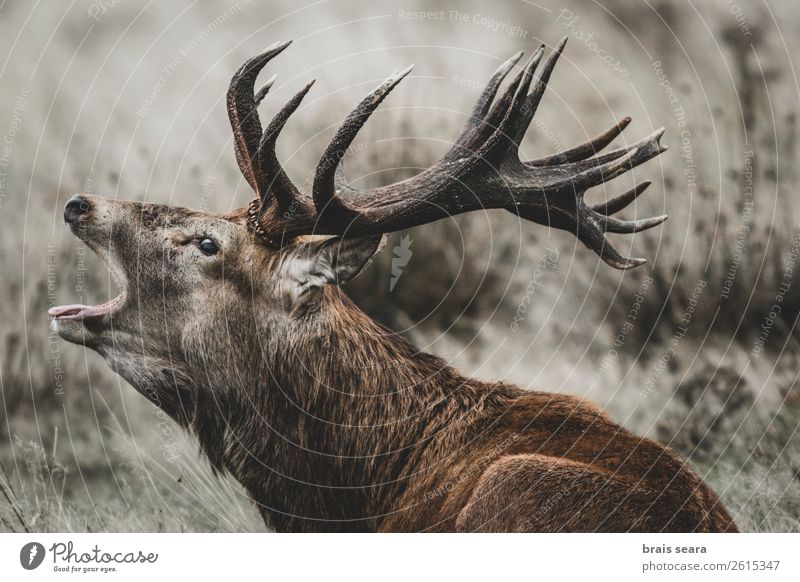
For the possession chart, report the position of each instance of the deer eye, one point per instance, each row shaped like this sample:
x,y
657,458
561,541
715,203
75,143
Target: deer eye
x,y
208,246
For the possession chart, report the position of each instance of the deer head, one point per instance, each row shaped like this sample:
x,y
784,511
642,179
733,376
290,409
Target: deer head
x,y
211,301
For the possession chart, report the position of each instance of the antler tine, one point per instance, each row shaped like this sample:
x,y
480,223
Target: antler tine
x,y
245,123
610,165
611,224
585,150
326,201
590,234
497,144
602,213
534,98
616,204
265,89
275,179
484,101
491,122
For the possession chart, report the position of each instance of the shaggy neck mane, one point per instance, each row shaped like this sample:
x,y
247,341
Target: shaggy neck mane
x,y
347,414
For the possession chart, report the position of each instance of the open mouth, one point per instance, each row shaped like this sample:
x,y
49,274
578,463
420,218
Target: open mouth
x,y
82,312
77,311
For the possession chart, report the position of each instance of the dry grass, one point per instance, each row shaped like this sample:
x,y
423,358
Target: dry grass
x,y
735,415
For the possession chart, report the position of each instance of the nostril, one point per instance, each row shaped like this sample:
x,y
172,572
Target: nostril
x,y
76,207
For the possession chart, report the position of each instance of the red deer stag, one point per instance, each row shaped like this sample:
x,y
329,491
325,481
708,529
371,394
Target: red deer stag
x,y
235,326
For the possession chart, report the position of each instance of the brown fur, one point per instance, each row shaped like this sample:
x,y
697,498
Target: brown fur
x,y
334,423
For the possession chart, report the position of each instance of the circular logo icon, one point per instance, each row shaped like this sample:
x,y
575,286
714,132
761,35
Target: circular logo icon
x,y
31,555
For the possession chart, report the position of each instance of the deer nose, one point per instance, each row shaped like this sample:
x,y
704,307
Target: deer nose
x,y
76,207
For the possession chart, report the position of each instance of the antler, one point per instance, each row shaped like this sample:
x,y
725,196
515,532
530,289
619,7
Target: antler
x,y
276,195
481,171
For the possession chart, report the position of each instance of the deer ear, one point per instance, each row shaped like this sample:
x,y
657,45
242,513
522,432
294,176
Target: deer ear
x,y
337,260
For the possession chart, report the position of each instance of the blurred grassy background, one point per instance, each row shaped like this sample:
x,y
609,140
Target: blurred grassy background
x,y
126,100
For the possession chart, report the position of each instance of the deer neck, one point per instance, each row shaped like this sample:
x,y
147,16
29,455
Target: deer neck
x,y
332,421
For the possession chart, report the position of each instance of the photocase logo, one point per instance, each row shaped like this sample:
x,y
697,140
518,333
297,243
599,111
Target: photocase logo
x,y
402,254
31,555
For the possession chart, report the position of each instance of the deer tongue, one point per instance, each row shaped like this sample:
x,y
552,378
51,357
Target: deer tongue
x,y
84,311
